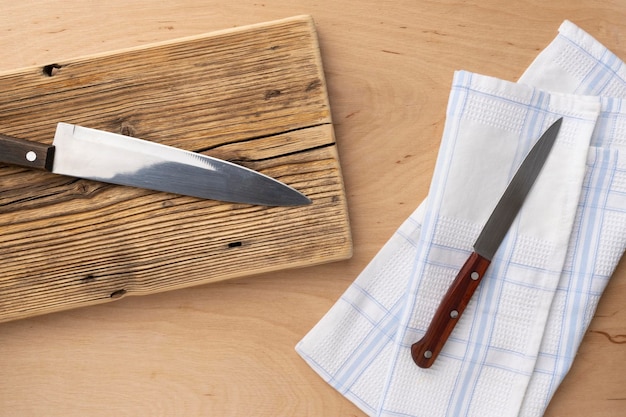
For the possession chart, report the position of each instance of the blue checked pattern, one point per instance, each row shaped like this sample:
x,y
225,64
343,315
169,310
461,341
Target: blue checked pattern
x,y
518,337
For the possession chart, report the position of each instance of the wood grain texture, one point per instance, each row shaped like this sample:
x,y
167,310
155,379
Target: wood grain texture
x,y
227,348
254,96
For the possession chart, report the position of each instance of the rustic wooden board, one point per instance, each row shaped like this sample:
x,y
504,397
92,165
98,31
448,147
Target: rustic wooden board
x,y
254,96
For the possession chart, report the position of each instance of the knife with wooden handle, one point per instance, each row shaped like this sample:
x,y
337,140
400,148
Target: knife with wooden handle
x,y
109,157
425,351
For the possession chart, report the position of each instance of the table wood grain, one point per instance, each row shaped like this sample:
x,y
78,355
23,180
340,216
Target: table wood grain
x,y
227,349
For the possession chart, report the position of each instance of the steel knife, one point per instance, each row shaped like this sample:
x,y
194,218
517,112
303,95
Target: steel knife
x,y
109,157
425,351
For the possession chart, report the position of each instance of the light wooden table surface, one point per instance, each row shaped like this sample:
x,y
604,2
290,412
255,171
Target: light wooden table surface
x,y
227,349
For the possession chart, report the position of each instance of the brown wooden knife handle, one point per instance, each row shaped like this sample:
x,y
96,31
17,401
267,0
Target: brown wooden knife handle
x,y
449,311
25,153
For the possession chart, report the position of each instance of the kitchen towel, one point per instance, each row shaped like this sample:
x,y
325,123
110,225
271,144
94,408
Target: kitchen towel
x,y
517,338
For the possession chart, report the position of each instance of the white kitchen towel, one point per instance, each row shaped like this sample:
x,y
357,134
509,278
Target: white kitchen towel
x,y
351,346
490,126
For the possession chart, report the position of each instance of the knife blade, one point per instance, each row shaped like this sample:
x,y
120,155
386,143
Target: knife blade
x,y
109,157
425,351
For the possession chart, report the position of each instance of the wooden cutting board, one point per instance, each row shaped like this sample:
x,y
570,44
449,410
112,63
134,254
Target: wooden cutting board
x,y
255,96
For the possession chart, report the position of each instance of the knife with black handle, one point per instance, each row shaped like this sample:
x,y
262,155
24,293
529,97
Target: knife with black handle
x,y
109,157
454,302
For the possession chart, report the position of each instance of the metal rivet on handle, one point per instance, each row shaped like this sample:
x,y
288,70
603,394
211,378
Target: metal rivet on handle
x,y
428,354
31,156
475,275
454,314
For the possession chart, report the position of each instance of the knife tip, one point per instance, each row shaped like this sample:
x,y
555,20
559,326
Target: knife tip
x,y
297,199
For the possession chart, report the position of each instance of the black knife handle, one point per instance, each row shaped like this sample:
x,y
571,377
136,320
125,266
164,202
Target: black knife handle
x,y
25,153
449,311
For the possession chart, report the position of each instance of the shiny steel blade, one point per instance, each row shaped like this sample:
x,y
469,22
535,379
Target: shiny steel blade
x,y
109,157
513,198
